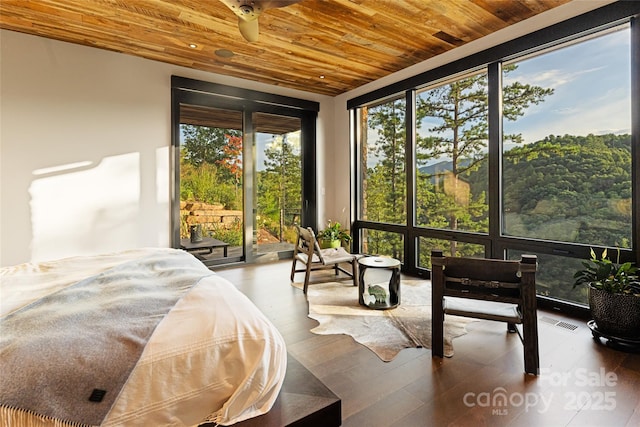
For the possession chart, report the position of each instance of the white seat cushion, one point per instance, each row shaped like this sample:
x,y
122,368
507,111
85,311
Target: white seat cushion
x,y
489,310
336,255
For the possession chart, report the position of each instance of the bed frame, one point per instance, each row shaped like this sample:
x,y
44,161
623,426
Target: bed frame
x,y
304,401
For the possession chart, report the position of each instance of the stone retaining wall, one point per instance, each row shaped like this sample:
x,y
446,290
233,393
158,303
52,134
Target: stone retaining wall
x,y
210,216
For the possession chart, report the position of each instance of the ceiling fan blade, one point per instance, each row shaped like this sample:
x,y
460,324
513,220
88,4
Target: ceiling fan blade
x,y
248,29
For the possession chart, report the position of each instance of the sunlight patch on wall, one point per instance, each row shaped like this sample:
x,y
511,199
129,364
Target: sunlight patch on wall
x,y
62,168
88,211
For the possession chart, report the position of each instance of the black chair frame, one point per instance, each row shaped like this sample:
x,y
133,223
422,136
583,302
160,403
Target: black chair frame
x,y
502,281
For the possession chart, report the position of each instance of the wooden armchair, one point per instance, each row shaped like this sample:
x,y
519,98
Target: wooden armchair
x,y
511,284
308,252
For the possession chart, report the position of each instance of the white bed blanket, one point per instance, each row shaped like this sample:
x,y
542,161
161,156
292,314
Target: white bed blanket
x,y
213,357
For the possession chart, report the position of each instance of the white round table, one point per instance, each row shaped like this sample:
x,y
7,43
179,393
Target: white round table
x,y
379,282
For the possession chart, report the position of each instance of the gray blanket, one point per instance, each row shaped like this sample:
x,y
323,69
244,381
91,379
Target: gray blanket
x,y
68,355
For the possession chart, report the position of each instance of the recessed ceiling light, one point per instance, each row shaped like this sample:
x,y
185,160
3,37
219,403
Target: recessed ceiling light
x,y
322,77
224,53
193,45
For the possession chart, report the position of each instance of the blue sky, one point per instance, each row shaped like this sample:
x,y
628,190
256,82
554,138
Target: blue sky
x,y
266,140
591,81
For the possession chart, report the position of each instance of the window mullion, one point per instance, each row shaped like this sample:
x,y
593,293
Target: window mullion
x,y
494,71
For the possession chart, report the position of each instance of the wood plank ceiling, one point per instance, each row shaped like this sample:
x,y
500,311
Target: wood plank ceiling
x,y
321,46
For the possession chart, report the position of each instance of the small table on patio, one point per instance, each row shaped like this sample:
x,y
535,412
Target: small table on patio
x,y
206,243
382,293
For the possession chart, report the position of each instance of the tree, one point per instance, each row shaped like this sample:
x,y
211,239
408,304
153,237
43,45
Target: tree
x,y
280,184
202,144
211,165
232,162
384,193
389,120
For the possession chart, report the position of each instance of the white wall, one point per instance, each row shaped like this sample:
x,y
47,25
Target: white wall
x,y
84,148
339,152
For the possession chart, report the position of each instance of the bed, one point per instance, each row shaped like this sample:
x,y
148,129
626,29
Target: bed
x,y
93,341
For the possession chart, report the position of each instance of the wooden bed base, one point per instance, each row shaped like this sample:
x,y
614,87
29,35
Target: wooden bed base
x,y
304,401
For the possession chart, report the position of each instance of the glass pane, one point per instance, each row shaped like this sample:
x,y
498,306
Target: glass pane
x,y
451,156
554,277
383,180
567,144
211,204
278,182
375,242
426,245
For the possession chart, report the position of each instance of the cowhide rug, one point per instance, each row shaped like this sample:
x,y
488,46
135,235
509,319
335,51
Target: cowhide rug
x,y
385,332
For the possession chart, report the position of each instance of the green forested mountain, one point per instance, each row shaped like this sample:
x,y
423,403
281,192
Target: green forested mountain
x,y
568,188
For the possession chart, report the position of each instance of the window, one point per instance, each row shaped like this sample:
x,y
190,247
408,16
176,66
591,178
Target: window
x,y
451,156
383,179
567,160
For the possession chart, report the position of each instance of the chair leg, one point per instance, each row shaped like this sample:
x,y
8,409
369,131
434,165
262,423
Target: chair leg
x,y
355,272
306,278
293,268
530,342
437,307
437,333
437,326
530,327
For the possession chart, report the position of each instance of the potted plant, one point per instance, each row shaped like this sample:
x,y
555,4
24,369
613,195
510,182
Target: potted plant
x,y
614,295
333,236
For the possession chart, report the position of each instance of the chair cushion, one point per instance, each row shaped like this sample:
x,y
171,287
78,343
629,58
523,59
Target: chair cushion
x,y
489,310
303,257
336,255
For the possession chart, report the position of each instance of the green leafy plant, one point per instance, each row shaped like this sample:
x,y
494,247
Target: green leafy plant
x,y
606,275
334,231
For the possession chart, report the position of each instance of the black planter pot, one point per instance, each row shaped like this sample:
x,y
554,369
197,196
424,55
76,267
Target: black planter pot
x,y
617,315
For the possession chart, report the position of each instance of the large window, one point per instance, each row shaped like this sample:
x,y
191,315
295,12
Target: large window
x,y
568,176
525,148
451,156
567,161
382,154
383,178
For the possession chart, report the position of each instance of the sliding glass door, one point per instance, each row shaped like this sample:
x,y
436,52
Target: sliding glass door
x,y
244,173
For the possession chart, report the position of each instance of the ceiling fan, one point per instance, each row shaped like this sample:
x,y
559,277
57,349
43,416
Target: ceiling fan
x,y
248,12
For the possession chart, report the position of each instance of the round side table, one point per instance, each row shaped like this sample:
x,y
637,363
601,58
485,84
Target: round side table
x,y
379,282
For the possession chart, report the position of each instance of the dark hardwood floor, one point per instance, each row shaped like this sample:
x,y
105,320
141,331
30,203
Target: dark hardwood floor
x,y
582,383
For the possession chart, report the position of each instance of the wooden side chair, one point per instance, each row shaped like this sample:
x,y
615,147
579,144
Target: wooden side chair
x,y
308,252
506,291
